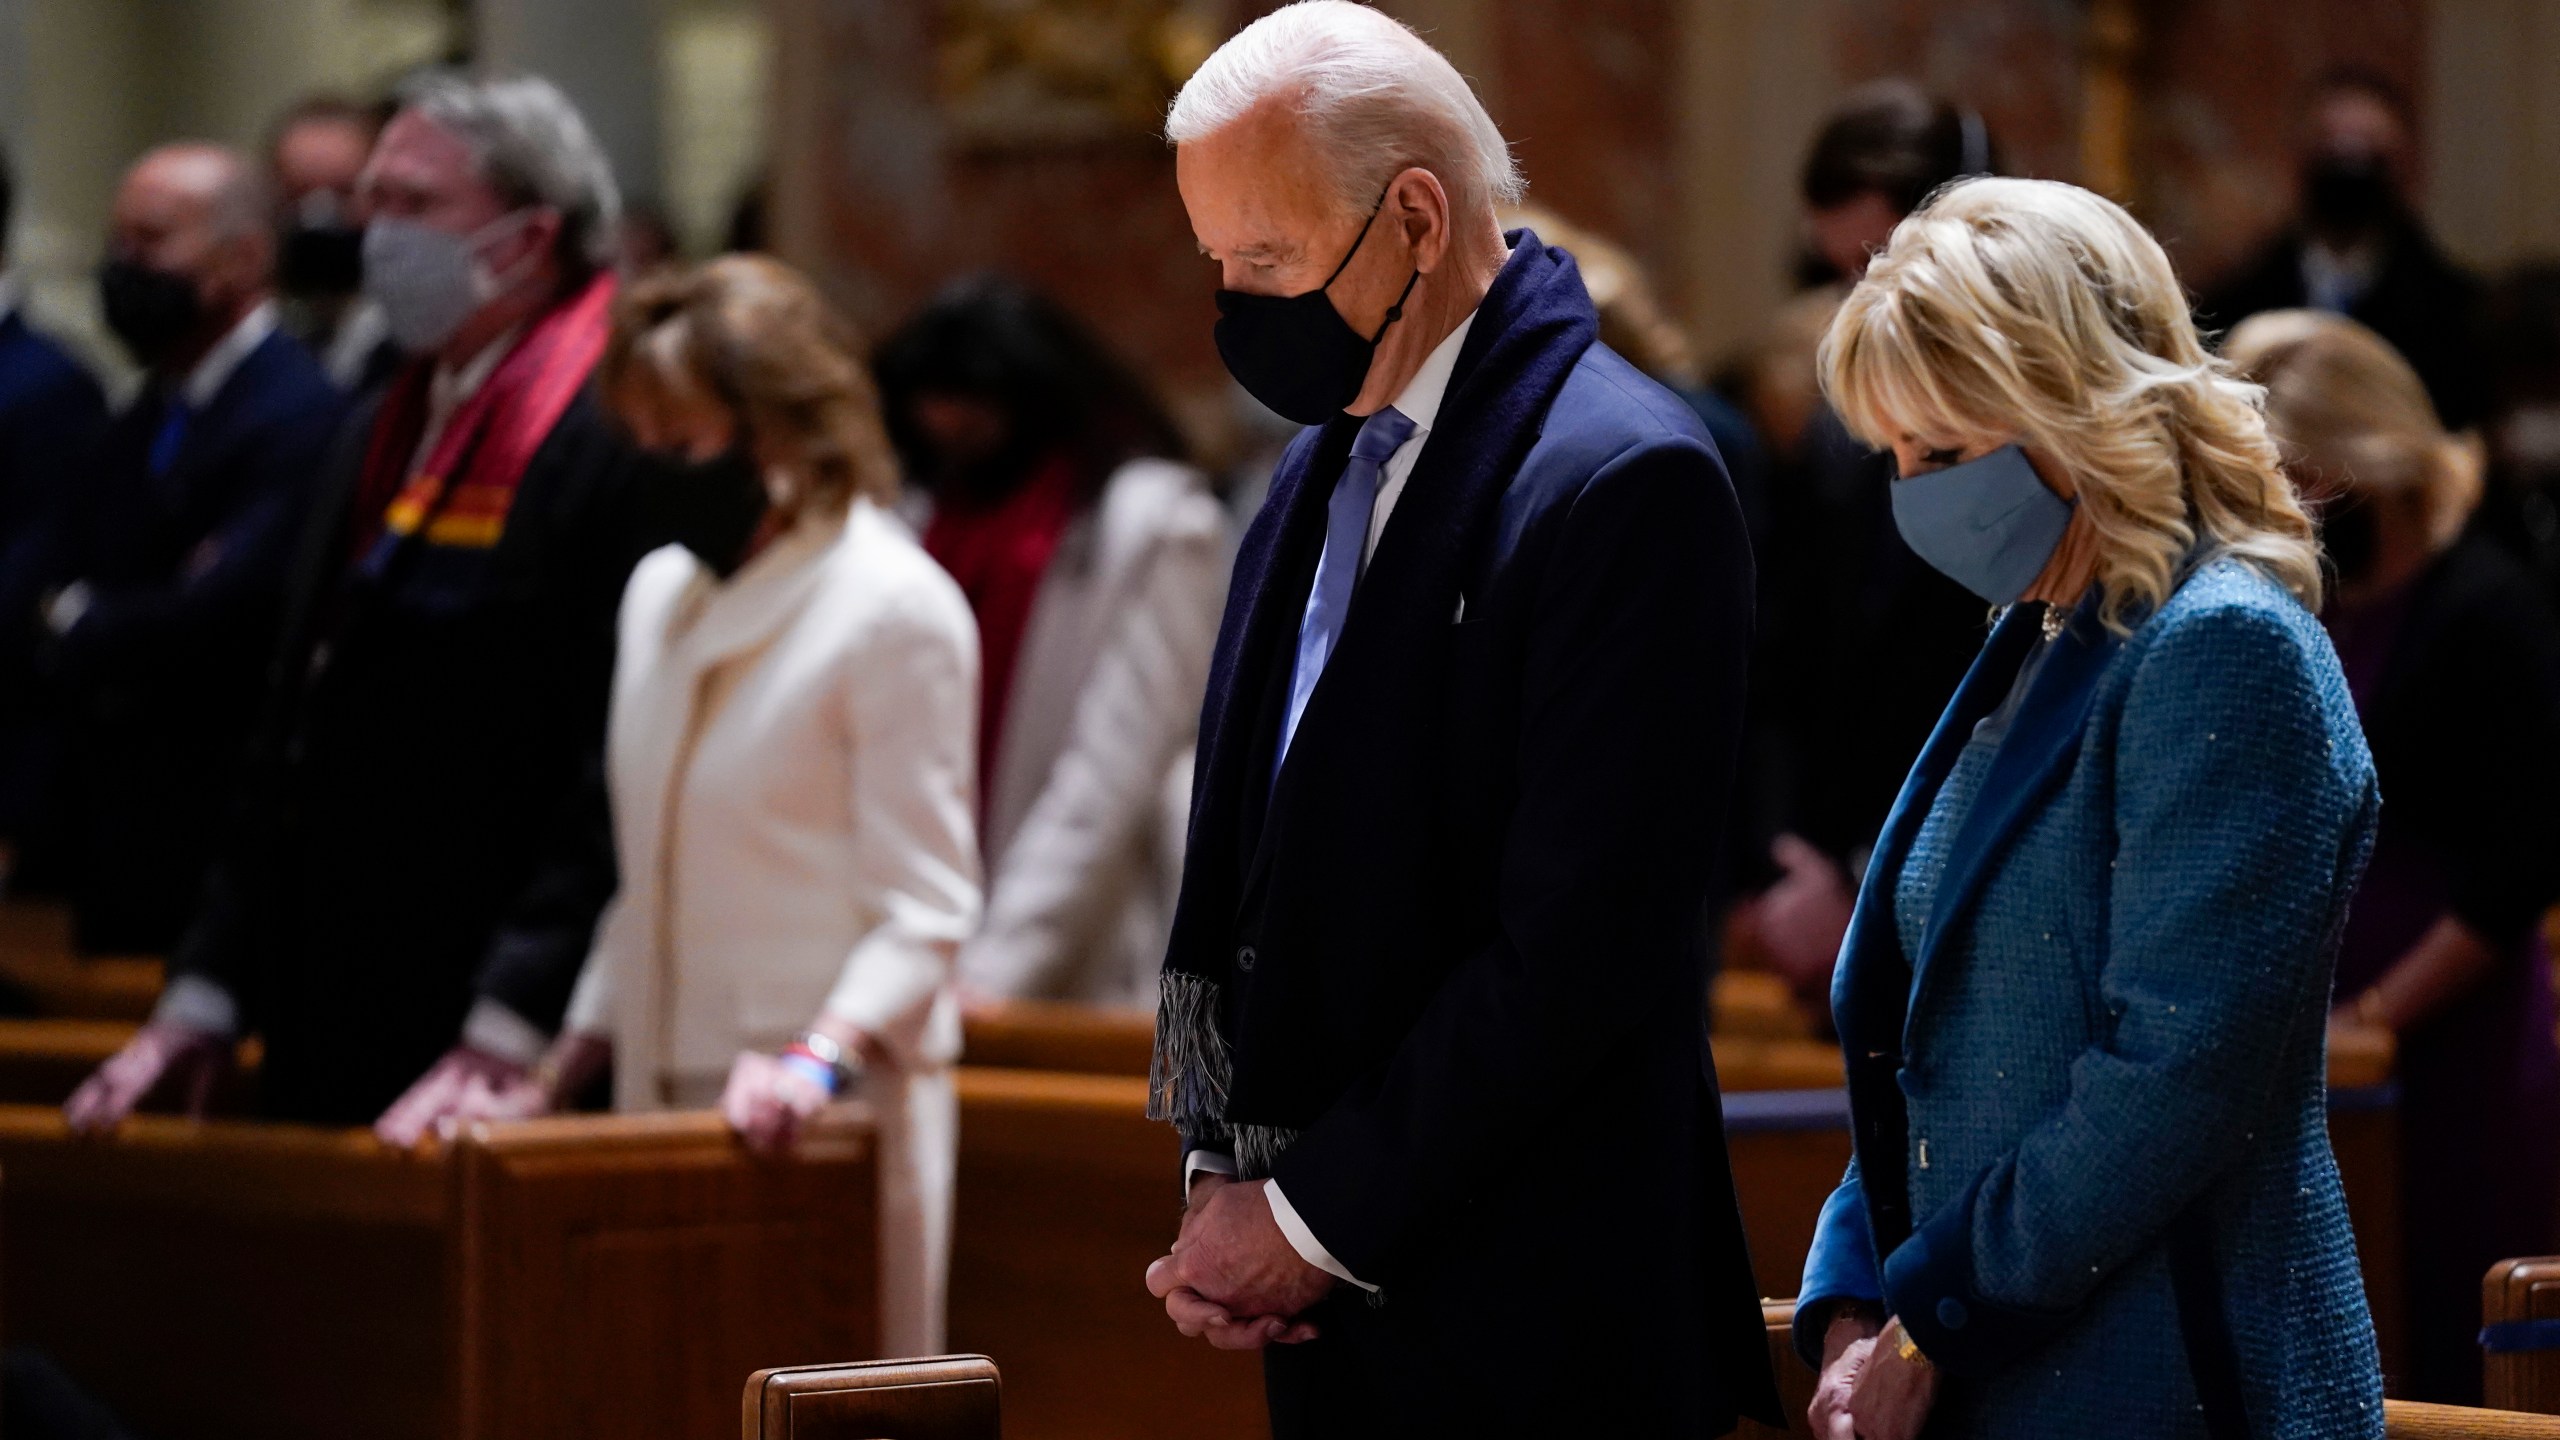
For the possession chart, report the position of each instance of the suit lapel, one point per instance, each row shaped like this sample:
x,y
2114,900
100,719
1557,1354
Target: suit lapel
x,y
2039,747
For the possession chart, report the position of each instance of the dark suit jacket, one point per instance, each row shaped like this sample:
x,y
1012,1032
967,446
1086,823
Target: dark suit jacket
x,y
1460,950
161,678
417,826
51,412
2424,304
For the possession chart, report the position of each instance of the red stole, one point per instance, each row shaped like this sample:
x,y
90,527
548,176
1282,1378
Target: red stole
x,y
459,494
999,553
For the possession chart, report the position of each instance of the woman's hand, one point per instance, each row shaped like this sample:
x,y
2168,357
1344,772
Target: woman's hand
x,y
767,1102
1846,1345
1890,1396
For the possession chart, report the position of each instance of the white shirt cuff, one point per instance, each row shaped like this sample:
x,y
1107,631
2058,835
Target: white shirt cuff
x,y
496,1030
195,1003
1205,1162
67,606
1303,1240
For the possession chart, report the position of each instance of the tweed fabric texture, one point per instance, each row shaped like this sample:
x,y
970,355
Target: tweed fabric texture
x,y
2127,1026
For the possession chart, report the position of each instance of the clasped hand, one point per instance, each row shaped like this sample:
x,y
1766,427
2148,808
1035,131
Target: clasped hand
x,y
1868,1391
1233,1279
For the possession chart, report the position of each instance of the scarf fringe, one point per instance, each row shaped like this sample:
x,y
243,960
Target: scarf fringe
x,y
1187,1079
1259,1148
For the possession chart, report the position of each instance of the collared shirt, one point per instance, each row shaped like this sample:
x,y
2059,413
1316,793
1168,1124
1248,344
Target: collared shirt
x,y
1418,402
219,363
451,385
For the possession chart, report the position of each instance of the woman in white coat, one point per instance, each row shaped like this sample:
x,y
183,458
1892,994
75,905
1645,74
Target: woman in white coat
x,y
791,761
1095,562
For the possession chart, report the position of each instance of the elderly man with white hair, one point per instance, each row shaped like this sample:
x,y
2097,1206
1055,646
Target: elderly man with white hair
x,y
417,860
1430,1023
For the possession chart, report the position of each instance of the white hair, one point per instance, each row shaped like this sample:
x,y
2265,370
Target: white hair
x,y
1371,98
533,148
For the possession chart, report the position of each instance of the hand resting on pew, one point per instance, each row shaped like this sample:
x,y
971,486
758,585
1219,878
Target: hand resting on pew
x,y
164,1058
470,1084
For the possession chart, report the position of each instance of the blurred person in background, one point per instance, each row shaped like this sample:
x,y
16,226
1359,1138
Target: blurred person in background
x,y
178,550
1862,641
2357,246
791,766
2520,335
51,413
2454,658
415,868
315,155
1095,561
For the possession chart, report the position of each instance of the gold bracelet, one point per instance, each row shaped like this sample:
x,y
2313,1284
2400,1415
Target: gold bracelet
x,y
1906,1349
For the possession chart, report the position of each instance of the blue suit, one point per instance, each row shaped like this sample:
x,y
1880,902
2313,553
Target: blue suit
x,y
2093,1173
50,414
186,553
1454,951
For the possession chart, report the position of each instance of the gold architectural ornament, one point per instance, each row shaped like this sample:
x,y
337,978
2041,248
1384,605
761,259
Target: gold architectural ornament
x,y
1032,74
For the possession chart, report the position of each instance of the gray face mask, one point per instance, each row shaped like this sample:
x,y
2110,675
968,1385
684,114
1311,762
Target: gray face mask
x,y
428,281
1988,524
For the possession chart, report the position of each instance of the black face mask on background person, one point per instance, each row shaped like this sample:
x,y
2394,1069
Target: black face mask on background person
x,y
2350,535
2347,196
321,259
710,507
1295,353
151,311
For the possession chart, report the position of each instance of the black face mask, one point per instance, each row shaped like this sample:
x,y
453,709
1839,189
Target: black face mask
x,y
710,507
2347,196
325,259
1295,353
152,311
2348,532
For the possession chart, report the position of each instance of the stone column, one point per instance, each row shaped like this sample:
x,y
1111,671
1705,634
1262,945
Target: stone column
x,y
605,54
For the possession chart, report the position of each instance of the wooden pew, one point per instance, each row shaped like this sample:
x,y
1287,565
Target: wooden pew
x,y
2402,1420
38,963
2520,1335
588,1275
957,1397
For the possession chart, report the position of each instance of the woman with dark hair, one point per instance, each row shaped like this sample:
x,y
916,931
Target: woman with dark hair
x,y
1096,564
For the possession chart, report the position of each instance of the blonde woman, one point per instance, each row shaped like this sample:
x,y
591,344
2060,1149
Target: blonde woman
x,y
790,759
2084,992
2454,658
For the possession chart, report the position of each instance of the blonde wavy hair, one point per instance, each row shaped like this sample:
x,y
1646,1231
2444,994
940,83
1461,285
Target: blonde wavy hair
x,y
2036,312
2349,413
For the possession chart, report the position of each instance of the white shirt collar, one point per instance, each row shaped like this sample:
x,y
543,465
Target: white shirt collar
x,y
1419,401
207,379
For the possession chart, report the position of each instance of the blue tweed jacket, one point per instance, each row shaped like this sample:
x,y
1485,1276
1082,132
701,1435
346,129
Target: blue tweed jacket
x,y
2092,1167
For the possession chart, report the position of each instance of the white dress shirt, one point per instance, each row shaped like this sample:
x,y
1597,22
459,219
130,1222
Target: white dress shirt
x,y
246,334
1418,402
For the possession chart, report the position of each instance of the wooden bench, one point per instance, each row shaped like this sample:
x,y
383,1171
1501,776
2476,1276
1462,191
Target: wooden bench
x,y
2520,1335
38,963
591,1275
955,1397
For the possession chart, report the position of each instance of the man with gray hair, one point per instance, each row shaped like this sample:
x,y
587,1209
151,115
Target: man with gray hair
x,y
1430,1026
177,546
418,864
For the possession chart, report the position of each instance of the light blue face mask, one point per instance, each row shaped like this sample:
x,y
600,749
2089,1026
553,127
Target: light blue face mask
x,y
1988,524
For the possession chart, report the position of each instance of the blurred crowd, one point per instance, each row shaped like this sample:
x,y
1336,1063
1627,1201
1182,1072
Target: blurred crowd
x,y
504,666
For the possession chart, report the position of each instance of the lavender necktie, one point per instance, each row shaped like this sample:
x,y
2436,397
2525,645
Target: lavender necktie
x,y
1346,535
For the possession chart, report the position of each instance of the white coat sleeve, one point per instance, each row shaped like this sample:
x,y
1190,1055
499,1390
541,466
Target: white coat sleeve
x,y
912,705
618,935
1061,883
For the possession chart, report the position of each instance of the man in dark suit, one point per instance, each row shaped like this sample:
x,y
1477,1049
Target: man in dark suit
x,y
179,541
2360,249
51,411
419,859
1429,1028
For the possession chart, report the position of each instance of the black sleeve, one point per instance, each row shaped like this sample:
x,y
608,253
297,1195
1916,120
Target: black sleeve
x,y
45,444
1632,703
2492,757
534,958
